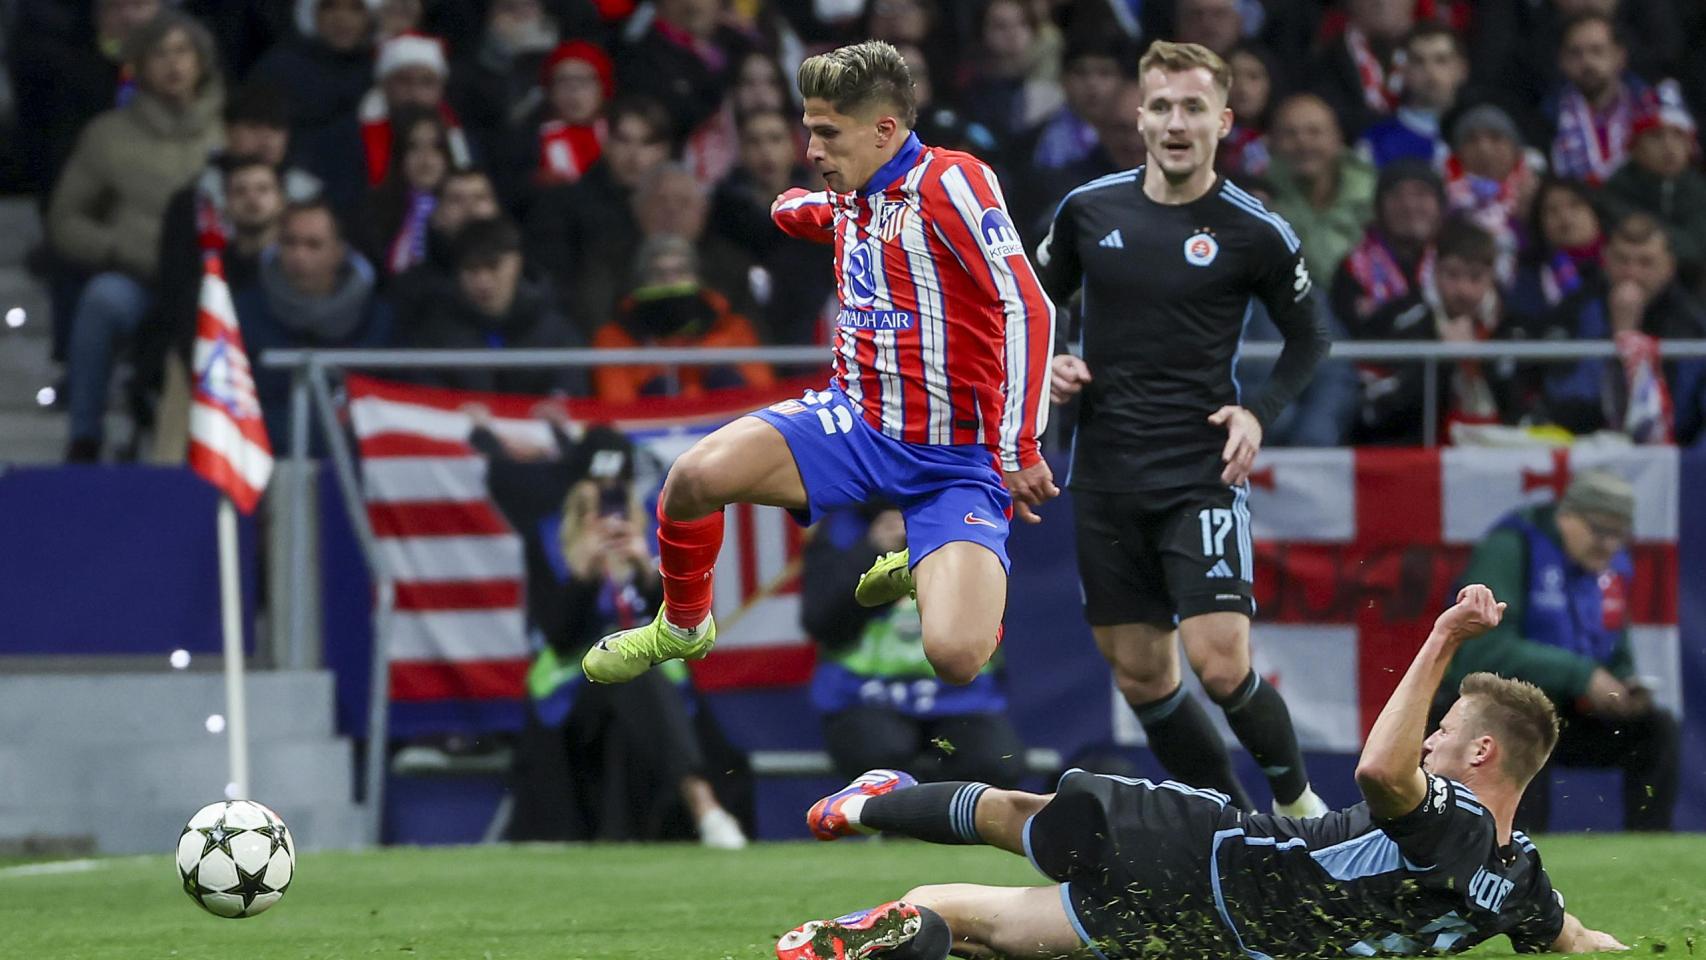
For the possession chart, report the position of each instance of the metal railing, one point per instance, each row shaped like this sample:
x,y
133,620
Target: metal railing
x,y
311,396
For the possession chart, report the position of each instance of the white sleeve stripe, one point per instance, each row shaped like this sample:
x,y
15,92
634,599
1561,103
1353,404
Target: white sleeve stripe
x,y
818,199
1238,198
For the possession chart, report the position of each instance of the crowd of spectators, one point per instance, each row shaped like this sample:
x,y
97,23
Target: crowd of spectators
x,y
489,174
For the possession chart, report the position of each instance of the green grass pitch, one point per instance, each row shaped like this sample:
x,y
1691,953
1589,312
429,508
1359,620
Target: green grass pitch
x,y
664,901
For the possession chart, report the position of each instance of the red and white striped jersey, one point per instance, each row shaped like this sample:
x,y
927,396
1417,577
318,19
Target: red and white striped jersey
x,y
944,333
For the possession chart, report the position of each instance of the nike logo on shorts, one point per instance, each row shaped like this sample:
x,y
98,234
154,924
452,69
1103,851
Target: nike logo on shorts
x,y
977,521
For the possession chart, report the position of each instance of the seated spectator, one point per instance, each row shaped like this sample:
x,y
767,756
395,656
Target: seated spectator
x,y
326,67
567,137
490,82
1093,71
1323,190
105,213
70,77
1397,250
311,290
596,761
395,18
1458,304
1119,147
1564,572
496,306
1490,179
939,124
1638,304
463,196
759,85
1564,256
354,153
1215,24
1595,111
1244,151
794,285
1435,68
257,129
1660,179
881,704
687,61
395,214
670,307
568,223
1361,78
1015,84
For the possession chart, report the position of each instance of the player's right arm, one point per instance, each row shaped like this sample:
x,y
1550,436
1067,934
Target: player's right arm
x,y
1061,273
1576,938
1389,773
805,214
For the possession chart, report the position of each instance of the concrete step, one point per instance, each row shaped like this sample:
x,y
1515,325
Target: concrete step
x,y
167,707
20,228
136,828
301,772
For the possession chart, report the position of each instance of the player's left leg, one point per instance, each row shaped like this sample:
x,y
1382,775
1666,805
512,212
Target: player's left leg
x,y
1218,648
1209,563
962,596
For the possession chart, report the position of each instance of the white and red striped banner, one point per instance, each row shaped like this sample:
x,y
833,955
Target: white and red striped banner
x,y
459,631
1357,552
228,440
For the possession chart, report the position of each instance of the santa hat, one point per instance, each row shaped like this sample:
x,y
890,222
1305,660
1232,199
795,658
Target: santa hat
x,y
589,53
411,50
1665,109
308,11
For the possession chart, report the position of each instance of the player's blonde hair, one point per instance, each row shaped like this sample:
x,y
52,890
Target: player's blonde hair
x,y
1518,715
1170,57
859,75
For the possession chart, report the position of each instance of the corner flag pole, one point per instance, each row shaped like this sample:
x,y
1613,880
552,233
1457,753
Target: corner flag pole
x,y
231,620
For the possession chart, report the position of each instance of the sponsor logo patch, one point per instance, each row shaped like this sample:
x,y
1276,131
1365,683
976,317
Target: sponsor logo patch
x,y
997,234
974,520
875,319
788,408
860,288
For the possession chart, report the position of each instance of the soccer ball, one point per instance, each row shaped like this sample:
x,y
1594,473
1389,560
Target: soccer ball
x,y
236,858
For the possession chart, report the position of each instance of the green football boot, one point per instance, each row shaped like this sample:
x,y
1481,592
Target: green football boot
x,y
889,579
626,654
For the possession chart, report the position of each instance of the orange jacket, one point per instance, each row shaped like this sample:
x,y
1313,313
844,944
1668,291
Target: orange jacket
x,y
623,384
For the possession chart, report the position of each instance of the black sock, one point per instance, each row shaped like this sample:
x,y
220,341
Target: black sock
x,y
937,812
933,942
1258,715
1183,738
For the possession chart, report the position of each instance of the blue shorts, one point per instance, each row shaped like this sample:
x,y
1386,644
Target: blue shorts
x,y
946,493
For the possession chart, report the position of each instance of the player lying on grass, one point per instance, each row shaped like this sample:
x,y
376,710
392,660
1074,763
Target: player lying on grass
x,y
1428,861
937,395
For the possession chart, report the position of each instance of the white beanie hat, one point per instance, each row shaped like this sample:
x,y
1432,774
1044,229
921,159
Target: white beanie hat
x,y
308,10
411,50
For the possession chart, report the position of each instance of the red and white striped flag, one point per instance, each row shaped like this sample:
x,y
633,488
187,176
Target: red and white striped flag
x,y
228,440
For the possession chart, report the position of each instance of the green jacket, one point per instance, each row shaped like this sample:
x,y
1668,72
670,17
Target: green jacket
x,y
1677,203
1328,233
1501,562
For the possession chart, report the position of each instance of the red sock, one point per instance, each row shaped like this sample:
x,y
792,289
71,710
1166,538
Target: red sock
x,y
687,553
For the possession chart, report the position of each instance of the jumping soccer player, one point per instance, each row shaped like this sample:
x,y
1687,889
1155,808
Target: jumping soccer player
x,y
1428,861
1168,258
936,401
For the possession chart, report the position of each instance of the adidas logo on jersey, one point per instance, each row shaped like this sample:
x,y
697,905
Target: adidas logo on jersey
x,y
1113,241
1220,569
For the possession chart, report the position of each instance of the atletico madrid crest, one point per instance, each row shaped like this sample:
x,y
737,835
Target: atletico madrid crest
x,y
888,219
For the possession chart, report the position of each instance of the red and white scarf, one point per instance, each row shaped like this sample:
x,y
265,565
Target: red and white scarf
x,y
1382,88
1589,146
1646,414
566,152
1379,278
377,136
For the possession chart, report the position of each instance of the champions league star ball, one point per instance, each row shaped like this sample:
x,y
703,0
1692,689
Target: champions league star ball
x,y
236,858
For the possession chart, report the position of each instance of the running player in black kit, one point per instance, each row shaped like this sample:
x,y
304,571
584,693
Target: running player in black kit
x,y
1428,862
1168,258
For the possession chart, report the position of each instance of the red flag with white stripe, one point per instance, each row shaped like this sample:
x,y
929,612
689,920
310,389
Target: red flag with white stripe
x,y
228,440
